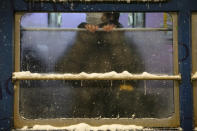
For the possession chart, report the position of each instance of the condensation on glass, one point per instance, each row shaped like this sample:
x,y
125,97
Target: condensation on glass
x,y
49,45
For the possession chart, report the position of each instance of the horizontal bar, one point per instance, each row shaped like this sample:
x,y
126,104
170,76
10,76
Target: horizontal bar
x,y
100,29
93,76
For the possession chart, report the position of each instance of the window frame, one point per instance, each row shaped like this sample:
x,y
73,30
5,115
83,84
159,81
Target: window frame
x,y
194,63
173,121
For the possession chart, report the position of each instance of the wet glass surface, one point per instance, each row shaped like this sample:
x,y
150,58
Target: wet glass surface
x,y
75,52
94,99
72,51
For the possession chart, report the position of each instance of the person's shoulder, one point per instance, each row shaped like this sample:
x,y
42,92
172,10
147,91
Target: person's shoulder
x,y
82,25
116,23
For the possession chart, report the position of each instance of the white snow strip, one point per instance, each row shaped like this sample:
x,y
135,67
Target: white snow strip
x,y
125,75
194,76
85,127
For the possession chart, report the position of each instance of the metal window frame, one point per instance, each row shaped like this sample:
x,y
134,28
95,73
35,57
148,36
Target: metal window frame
x,y
183,8
173,121
194,63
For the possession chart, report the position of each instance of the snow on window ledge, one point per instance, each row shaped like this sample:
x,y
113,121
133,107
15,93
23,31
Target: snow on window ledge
x,y
125,75
194,76
85,127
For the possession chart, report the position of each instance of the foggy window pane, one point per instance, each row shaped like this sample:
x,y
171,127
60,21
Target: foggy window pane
x,y
136,20
54,19
82,51
58,51
90,99
59,47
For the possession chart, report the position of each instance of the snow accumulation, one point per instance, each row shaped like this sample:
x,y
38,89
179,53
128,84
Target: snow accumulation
x,y
125,75
194,76
86,127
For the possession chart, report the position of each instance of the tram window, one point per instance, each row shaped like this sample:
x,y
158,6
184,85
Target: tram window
x,y
62,43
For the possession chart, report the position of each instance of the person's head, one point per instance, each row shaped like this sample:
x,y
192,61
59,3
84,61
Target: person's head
x,y
94,18
112,16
